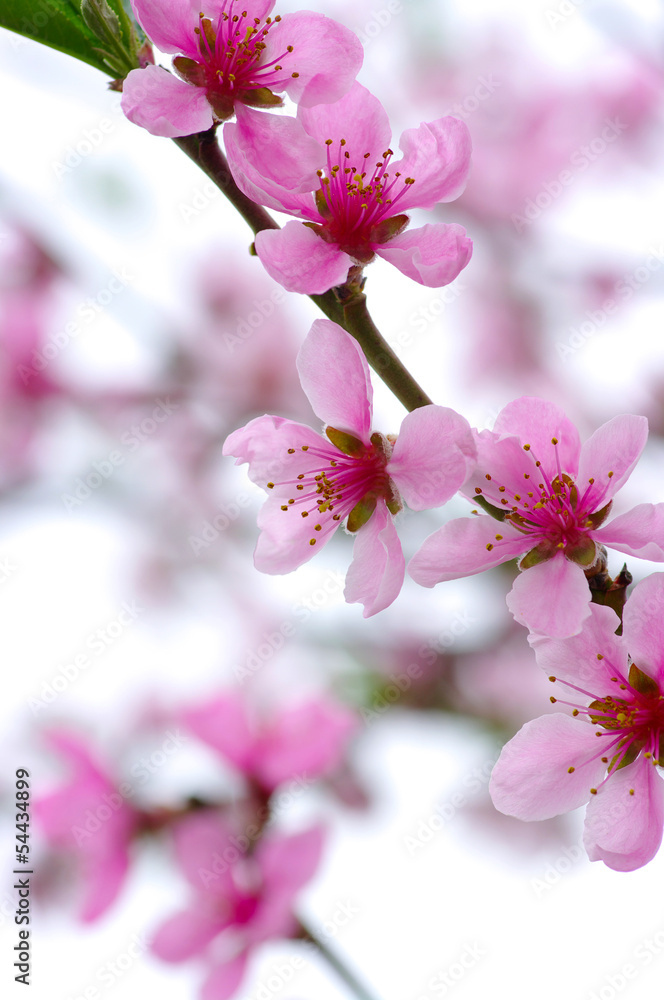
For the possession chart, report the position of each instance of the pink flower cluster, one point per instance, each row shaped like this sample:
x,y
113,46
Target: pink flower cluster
x,y
244,872
539,495
546,499
331,167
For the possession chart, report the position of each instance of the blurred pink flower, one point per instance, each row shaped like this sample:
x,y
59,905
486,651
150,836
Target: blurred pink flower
x,y
90,818
357,474
557,763
233,54
535,132
341,152
241,900
528,468
305,740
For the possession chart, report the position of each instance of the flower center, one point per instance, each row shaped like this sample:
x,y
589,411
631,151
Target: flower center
x,y
343,479
549,512
358,207
245,909
629,722
231,63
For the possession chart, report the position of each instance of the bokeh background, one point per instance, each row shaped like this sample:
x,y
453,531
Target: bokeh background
x,y
136,332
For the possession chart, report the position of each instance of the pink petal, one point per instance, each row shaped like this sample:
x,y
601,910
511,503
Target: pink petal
x,y
185,934
507,464
288,862
575,659
552,598
335,377
264,443
169,24
622,830
286,536
224,980
202,840
300,260
223,725
163,104
433,255
643,626
358,117
614,447
285,539
274,161
376,573
76,750
304,741
254,8
274,918
531,778
327,57
535,421
104,879
459,549
432,456
639,532
437,156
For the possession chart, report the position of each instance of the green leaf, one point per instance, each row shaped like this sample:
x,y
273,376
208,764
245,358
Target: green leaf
x,y
60,25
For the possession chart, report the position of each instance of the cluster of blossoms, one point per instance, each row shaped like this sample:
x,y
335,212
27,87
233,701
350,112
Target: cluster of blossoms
x,y
244,871
331,167
540,496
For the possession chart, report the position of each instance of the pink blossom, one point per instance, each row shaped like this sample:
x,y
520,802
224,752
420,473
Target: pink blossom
x,y
332,168
607,751
307,739
317,481
91,819
554,495
232,54
239,903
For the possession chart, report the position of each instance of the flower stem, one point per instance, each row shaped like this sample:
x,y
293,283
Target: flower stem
x,y
380,355
347,307
333,960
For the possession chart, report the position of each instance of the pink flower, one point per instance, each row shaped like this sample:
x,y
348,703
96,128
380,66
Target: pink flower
x,y
315,482
234,53
304,740
240,900
332,167
90,818
553,494
607,751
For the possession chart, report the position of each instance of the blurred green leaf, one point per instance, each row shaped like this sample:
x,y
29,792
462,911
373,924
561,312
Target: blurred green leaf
x,y
60,25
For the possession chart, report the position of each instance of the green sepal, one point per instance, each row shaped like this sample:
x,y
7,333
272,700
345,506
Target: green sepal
x,y
394,505
642,683
322,204
603,707
387,229
495,512
223,106
260,97
633,750
540,554
560,482
189,70
599,517
347,443
584,553
361,512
